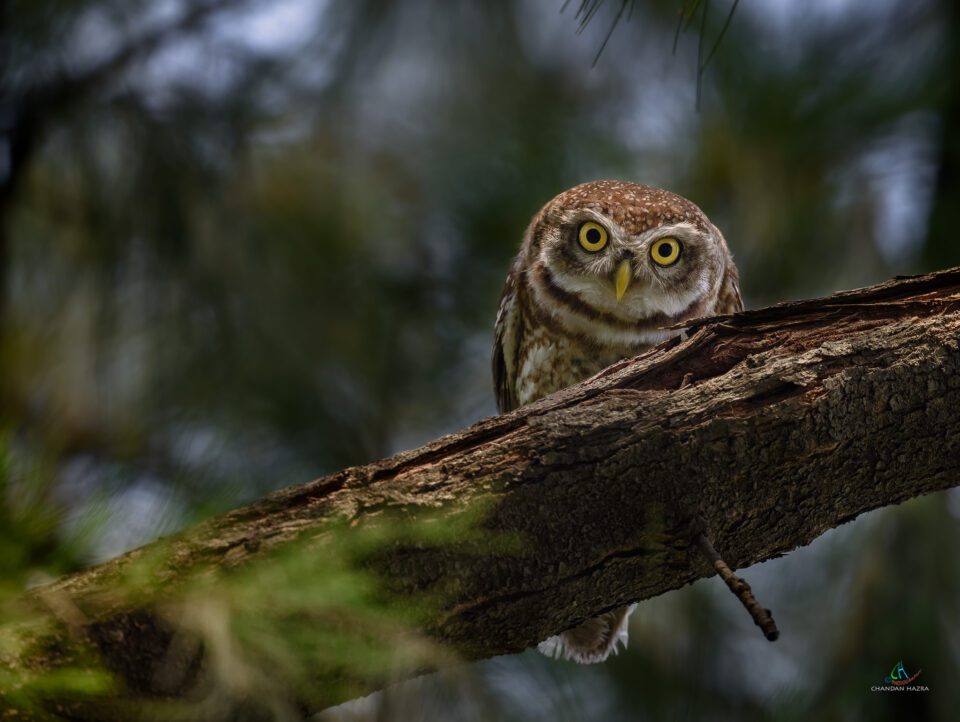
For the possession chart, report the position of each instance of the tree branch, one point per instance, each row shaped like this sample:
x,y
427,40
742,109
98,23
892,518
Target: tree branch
x,y
33,109
761,430
761,616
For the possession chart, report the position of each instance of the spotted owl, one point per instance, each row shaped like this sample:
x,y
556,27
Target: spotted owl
x,y
604,268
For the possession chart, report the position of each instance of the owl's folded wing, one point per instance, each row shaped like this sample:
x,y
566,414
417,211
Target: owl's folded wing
x,y
507,332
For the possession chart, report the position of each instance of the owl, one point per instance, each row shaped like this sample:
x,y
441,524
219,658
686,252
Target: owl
x,y
603,270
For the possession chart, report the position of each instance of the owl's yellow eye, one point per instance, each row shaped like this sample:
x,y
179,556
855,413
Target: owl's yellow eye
x,y
665,251
593,236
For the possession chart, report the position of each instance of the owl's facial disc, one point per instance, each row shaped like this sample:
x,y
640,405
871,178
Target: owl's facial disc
x,y
616,265
618,273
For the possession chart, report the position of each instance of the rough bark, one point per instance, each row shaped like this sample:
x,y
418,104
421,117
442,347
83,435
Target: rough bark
x,y
761,430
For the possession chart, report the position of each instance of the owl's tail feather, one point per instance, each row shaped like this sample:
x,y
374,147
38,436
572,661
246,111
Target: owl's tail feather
x,y
592,641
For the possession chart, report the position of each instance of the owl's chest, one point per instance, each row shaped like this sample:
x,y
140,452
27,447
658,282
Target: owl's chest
x,y
548,363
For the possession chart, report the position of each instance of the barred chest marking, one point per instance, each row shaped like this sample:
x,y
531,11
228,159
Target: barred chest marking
x,y
549,362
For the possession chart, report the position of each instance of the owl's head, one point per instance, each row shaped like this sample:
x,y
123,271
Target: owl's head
x,y
615,262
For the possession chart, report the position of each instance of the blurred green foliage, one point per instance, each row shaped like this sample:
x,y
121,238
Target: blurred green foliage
x,y
245,242
303,625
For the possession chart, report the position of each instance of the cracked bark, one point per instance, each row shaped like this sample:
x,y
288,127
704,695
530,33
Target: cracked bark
x,y
762,430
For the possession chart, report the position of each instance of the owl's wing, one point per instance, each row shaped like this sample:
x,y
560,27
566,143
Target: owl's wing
x,y
729,300
507,331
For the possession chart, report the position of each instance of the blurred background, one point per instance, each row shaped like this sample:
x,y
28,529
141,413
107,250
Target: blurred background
x,y
244,243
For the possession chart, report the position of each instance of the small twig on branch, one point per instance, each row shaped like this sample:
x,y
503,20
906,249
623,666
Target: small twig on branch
x,y
761,616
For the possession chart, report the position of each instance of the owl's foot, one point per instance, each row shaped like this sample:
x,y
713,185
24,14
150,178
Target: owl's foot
x,y
593,641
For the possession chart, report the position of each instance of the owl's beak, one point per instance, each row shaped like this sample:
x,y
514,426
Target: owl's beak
x,y
622,278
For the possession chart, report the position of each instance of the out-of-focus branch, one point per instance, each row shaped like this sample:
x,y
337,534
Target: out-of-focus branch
x,y
31,112
28,114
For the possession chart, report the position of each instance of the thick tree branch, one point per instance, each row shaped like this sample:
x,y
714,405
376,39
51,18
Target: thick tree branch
x,y
762,430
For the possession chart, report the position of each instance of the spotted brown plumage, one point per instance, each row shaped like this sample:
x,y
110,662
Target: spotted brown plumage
x,y
569,311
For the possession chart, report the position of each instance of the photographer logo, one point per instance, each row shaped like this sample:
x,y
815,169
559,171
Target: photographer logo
x,y
899,680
